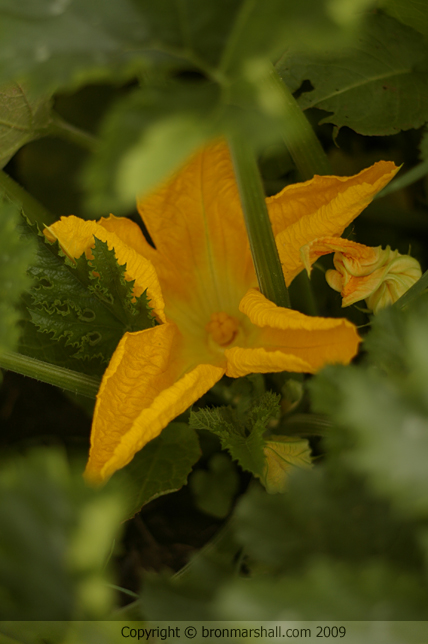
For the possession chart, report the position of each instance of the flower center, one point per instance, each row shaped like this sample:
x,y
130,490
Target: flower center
x,y
223,328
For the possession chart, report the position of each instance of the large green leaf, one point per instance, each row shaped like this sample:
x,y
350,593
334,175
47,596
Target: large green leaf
x,y
58,42
80,309
410,12
378,86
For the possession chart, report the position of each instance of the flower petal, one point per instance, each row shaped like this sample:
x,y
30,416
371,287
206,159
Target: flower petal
x,y
323,206
202,251
127,231
358,254
76,236
145,386
288,340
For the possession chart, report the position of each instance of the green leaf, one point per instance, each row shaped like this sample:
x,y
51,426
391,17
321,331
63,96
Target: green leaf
x,y
57,43
160,468
25,115
282,454
214,489
146,136
225,46
282,532
84,308
241,434
384,73
15,256
413,13
330,590
52,554
386,438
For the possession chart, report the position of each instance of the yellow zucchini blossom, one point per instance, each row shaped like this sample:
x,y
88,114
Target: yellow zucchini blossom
x,y
202,286
378,276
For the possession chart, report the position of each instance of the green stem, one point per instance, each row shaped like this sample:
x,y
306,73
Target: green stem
x,y
309,159
78,383
64,130
34,210
297,133
262,242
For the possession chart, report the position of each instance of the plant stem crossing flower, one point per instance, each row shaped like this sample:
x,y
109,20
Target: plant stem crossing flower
x,y
200,279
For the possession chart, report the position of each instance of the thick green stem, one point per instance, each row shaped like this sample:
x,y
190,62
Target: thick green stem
x,y
259,229
34,210
299,137
64,130
309,158
78,383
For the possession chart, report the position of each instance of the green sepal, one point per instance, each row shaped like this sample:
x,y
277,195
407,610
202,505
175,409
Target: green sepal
x,y
84,307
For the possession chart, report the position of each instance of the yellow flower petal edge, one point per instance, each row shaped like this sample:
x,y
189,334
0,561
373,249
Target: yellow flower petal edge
x,y
146,385
76,236
321,207
290,341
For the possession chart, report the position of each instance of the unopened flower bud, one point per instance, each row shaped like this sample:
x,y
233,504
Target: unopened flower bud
x,y
378,276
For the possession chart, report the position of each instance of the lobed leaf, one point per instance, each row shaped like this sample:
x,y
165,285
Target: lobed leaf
x,y
378,86
84,308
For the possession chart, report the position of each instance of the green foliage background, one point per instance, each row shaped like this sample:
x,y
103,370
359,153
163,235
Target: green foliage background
x,y
99,100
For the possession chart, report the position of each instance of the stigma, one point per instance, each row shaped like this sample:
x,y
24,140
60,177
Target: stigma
x,y
222,328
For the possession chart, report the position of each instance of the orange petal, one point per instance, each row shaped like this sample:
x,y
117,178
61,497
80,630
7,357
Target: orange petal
x,y
288,340
202,252
357,254
321,207
145,386
76,236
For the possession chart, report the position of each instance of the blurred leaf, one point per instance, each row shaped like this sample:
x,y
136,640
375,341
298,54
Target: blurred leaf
x,y
384,73
329,590
325,513
161,467
15,256
386,437
147,135
214,490
413,13
241,433
221,84
57,42
56,535
85,306
25,115
189,594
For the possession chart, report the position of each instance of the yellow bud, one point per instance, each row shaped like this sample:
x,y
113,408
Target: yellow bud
x,y
378,276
